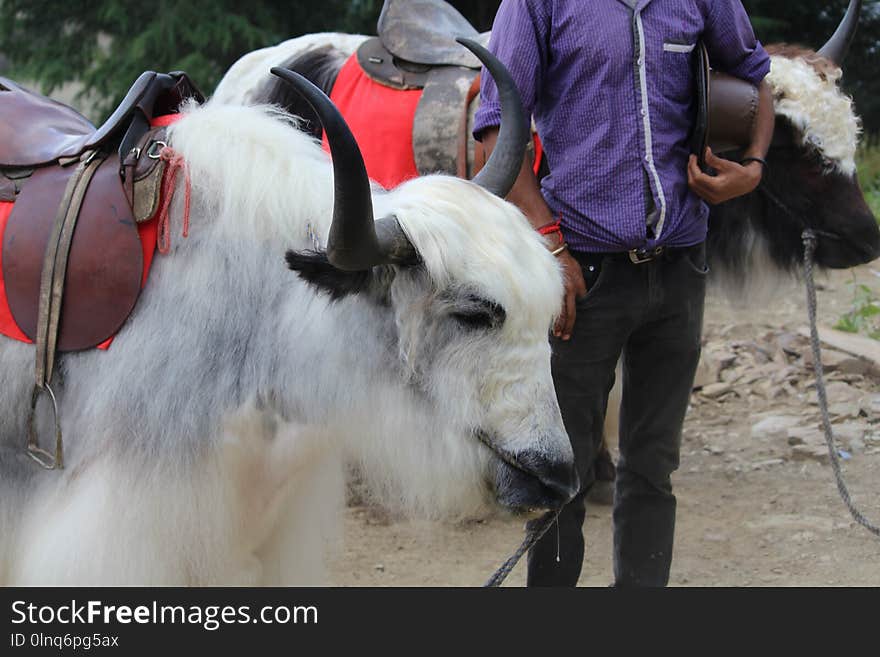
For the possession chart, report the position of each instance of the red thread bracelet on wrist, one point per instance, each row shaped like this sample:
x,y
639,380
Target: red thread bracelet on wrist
x,y
554,227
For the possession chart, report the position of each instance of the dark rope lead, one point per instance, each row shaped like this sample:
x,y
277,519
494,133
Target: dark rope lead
x,y
809,238
534,534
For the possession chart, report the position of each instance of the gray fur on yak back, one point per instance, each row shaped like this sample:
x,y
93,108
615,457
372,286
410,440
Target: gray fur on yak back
x,y
206,445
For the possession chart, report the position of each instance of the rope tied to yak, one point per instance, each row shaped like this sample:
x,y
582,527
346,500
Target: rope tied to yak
x,y
810,242
175,164
534,531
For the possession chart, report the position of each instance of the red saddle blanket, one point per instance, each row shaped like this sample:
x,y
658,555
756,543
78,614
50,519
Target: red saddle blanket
x,y
381,120
147,230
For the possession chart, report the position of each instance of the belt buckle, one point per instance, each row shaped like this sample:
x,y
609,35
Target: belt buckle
x,y
639,256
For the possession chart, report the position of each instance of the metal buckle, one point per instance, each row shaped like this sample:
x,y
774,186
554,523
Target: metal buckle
x,y
154,154
640,256
37,453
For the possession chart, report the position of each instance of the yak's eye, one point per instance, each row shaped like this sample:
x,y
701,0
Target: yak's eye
x,y
480,314
474,320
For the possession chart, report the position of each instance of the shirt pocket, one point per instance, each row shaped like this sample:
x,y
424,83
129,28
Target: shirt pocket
x,y
677,76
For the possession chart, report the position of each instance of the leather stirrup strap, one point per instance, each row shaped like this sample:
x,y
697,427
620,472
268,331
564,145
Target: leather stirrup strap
x,y
463,136
51,297
55,265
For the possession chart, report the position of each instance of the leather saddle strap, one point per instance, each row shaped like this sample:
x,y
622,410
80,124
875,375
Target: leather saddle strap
x,y
463,136
55,265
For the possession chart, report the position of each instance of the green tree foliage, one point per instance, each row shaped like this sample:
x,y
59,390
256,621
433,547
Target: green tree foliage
x,y
55,41
106,44
480,13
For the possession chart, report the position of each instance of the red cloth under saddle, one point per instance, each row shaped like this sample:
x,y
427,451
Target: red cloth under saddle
x,y
148,231
381,120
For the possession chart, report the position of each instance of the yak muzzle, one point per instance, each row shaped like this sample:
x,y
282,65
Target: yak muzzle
x,y
535,482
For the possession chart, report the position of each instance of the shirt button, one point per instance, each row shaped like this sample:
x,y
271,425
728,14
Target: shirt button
x,y
639,61
648,158
644,112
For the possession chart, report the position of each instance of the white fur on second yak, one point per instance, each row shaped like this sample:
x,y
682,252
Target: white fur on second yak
x,y
206,446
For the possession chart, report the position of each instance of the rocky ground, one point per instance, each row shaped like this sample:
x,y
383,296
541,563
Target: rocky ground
x,y
758,505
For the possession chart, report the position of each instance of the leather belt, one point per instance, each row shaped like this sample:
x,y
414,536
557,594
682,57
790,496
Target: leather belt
x,y
634,256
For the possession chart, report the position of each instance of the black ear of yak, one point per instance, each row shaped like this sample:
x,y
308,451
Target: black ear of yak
x,y
314,268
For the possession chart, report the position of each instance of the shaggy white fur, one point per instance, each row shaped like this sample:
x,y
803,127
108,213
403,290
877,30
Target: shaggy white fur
x,y
248,76
436,212
821,112
206,446
287,186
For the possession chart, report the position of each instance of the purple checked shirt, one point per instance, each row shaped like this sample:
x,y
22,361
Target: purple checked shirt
x,y
609,83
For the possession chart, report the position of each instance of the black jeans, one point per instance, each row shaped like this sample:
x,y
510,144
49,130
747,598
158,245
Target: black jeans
x,y
652,315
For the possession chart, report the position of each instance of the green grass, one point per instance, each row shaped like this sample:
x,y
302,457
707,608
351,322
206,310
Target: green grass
x,y
863,316
868,161
873,198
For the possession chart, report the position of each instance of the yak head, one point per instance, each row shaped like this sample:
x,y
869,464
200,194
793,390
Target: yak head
x,y
811,180
468,292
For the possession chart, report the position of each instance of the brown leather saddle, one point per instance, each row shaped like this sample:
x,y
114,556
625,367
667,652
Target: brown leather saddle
x,y
72,256
440,127
416,49
424,32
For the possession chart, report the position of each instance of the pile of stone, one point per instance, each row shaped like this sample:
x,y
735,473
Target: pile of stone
x,y
775,372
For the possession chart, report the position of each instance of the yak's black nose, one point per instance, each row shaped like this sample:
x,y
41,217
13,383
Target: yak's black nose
x,y
560,477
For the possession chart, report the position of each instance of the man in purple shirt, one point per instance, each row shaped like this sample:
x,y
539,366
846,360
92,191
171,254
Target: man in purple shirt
x,y
610,85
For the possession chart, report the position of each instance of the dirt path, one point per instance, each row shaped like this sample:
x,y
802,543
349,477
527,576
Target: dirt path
x,y
757,504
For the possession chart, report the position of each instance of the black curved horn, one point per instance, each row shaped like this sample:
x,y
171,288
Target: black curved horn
x,y
503,166
356,242
839,43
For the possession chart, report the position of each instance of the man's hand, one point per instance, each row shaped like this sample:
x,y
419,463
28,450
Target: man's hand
x,y
732,179
575,287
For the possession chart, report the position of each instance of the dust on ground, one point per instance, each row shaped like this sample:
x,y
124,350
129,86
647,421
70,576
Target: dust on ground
x,y
757,502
